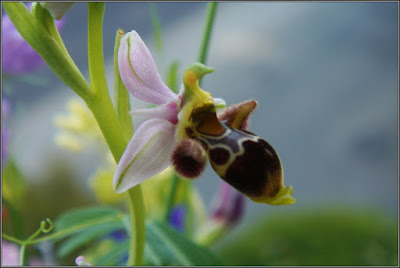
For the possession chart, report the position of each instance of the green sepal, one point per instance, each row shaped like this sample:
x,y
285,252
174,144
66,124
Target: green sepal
x,y
121,94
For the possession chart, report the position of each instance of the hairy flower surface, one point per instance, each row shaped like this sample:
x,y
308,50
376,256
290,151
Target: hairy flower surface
x,y
185,130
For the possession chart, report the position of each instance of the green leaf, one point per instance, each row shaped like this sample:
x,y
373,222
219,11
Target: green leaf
x,y
165,246
82,219
172,77
85,216
84,237
155,21
114,255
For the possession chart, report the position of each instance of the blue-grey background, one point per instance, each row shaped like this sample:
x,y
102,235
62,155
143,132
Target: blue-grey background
x,y
325,76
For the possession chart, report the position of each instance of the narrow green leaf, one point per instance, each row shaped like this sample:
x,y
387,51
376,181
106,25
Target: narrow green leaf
x,y
172,248
84,237
210,17
83,215
172,76
151,257
114,255
155,21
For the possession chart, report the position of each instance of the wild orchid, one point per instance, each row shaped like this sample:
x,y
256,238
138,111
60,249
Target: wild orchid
x,y
182,134
184,130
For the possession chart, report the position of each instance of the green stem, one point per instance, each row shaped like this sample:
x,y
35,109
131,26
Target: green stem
x,y
107,119
44,16
95,47
171,196
211,10
22,255
137,238
12,239
155,21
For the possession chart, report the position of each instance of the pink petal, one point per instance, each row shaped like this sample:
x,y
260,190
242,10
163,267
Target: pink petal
x,y
139,72
167,112
147,154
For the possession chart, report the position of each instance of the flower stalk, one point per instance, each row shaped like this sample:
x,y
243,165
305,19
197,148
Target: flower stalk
x,y
110,125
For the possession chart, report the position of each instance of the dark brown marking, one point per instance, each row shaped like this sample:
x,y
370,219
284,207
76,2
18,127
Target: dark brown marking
x,y
231,140
256,172
219,156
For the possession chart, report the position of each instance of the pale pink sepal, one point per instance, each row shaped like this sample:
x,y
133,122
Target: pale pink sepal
x,y
139,72
147,154
167,112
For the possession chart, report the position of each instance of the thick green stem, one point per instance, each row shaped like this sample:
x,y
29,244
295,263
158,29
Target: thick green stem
x,y
95,44
110,125
22,255
138,235
211,10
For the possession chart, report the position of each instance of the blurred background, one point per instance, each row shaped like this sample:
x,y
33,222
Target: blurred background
x,y
326,79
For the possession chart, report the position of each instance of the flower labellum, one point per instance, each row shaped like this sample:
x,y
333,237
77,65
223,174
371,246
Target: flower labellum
x,y
185,128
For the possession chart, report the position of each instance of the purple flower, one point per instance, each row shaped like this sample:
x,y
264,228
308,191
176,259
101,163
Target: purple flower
x,y
80,261
229,206
177,218
18,57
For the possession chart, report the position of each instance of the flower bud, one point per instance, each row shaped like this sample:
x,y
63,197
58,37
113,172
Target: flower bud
x,y
229,206
189,159
57,10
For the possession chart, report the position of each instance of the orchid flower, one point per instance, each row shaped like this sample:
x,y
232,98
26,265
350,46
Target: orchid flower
x,y
184,130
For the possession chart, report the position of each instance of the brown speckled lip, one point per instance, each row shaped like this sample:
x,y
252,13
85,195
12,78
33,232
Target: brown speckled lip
x,y
256,173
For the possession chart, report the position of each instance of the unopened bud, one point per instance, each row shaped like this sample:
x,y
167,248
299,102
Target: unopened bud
x,y
229,206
